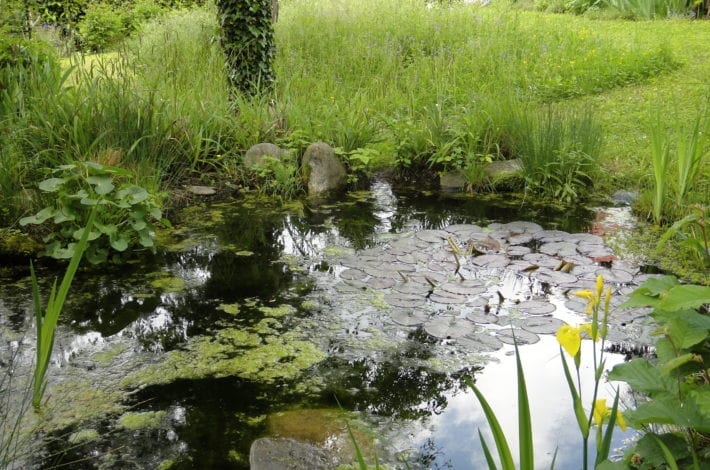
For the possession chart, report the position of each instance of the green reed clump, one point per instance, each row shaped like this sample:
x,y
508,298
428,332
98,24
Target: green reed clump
x,y
559,151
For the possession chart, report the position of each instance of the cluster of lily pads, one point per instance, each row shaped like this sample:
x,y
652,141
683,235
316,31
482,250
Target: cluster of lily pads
x,y
481,287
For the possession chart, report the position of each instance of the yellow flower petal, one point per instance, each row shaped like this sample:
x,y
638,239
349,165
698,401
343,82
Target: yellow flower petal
x,y
620,420
600,286
601,411
585,294
570,339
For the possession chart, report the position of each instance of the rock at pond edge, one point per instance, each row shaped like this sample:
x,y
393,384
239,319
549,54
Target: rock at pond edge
x,y
325,172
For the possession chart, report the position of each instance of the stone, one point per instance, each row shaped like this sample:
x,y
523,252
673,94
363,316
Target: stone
x,y
256,153
452,181
201,190
286,454
624,198
325,172
504,168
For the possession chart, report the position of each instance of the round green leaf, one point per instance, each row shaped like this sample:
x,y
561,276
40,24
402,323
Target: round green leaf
x,y
51,185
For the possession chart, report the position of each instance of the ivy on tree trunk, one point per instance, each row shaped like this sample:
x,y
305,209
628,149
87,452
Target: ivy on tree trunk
x,y
248,41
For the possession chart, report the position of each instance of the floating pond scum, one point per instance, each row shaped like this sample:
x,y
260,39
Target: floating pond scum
x,y
260,320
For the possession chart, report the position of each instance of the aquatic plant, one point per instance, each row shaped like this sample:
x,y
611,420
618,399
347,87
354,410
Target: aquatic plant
x,y
598,413
46,317
672,392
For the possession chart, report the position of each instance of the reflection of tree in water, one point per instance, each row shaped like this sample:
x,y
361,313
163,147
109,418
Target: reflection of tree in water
x,y
354,220
398,386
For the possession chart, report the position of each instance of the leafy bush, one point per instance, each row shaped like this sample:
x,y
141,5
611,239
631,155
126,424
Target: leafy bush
x,y
101,27
125,212
673,402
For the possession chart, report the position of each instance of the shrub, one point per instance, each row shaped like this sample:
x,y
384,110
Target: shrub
x,y
101,27
125,212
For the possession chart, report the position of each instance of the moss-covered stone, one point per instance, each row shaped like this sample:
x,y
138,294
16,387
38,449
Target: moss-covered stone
x,y
14,242
135,421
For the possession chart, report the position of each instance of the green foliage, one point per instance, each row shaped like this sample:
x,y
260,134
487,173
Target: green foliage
x,y
649,9
101,27
692,232
675,389
46,317
125,212
559,151
276,177
248,42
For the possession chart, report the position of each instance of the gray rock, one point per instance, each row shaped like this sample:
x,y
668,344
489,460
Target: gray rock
x,y
624,198
452,181
325,171
201,190
256,153
504,168
287,454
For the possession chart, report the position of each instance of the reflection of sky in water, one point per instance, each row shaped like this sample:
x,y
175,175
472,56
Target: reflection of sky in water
x,y
385,204
455,431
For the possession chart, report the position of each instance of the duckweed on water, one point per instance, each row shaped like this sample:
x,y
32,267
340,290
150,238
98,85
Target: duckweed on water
x,y
232,309
278,312
134,421
169,284
234,353
106,357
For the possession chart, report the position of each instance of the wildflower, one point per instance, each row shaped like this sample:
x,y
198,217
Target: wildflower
x,y
601,412
570,338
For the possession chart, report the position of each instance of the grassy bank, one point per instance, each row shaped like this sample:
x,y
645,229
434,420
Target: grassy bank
x,y
394,85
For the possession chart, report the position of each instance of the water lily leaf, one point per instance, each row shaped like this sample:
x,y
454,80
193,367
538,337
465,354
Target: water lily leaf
x,y
408,316
517,336
51,185
449,327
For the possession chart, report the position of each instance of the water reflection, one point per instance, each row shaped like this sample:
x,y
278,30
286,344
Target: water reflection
x,y
454,431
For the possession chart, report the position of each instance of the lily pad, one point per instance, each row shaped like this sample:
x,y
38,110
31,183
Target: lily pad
x,y
448,327
517,250
447,298
405,300
482,317
516,335
539,325
547,236
521,227
467,287
408,316
480,342
463,230
491,261
616,276
353,274
379,283
535,307
559,249
549,276
541,259
432,236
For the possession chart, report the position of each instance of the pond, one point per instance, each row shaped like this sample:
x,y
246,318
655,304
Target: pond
x,y
289,320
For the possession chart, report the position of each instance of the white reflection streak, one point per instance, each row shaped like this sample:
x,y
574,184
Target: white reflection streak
x,y
385,204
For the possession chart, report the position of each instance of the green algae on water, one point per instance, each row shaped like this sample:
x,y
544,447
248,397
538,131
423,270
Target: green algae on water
x,y
233,353
168,284
83,436
106,357
135,421
232,309
278,312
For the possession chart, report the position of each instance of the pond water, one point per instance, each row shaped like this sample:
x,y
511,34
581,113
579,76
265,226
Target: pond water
x,y
261,319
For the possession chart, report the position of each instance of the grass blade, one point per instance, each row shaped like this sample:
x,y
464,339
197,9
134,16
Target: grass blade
x,y
487,452
527,458
358,454
506,458
576,401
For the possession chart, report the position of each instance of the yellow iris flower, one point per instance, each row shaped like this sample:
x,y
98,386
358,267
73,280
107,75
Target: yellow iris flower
x,y
601,412
570,338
